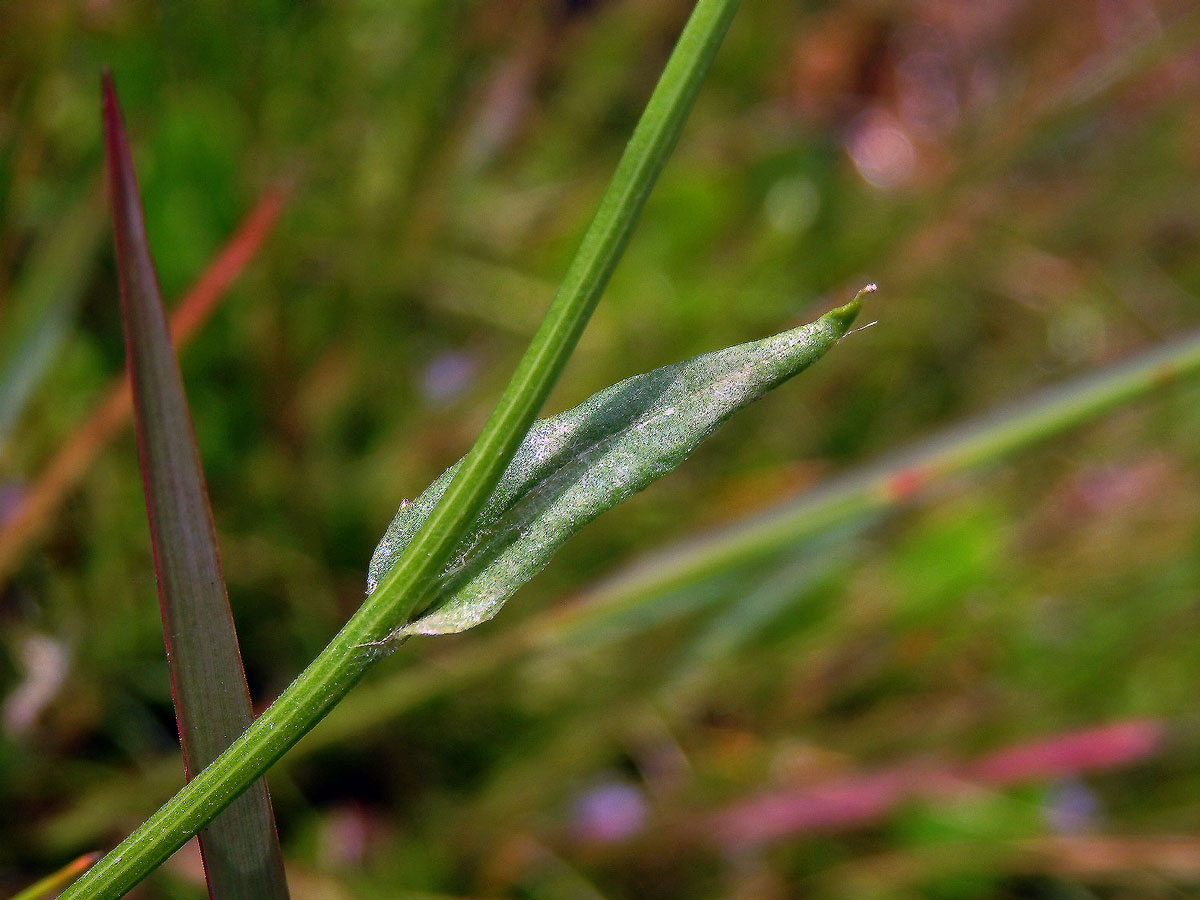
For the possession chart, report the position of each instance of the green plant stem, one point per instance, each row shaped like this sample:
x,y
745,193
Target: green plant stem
x,y
342,663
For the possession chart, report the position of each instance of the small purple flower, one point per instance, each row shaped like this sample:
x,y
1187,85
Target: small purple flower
x,y
447,376
1071,807
609,812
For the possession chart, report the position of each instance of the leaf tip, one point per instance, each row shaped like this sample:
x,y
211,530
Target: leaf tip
x,y
120,163
844,315
108,91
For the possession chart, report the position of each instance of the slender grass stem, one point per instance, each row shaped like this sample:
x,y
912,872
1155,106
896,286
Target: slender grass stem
x,y
342,663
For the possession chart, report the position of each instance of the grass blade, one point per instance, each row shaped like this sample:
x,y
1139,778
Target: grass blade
x,y
240,848
56,880
346,658
574,466
898,478
852,801
782,584
68,466
45,304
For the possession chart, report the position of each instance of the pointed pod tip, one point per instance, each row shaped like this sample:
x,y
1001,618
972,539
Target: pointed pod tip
x,y
844,315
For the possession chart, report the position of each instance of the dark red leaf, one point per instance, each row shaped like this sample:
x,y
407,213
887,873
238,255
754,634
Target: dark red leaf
x,y
212,704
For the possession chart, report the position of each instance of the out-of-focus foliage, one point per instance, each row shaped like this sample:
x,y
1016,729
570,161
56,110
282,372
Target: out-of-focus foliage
x,y
1022,180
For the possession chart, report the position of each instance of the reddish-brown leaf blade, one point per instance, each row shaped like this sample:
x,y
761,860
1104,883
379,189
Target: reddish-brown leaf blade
x,y
57,880
241,851
35,508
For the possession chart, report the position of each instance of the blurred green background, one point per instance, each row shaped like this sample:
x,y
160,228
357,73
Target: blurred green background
x,y
1021,180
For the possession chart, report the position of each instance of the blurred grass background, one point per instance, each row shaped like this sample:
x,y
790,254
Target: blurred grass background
x,y
1020,178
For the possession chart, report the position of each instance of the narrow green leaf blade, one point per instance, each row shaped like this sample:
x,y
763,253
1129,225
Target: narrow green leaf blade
x,y
242,858
574,466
